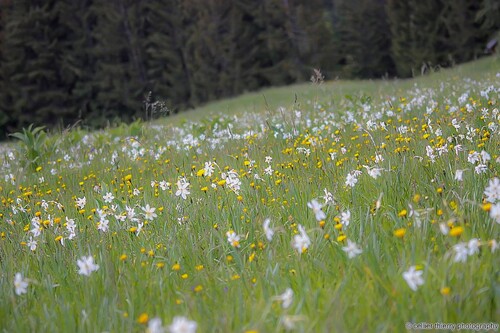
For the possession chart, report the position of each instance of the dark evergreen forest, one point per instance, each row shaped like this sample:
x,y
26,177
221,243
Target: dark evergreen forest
x,y
95,62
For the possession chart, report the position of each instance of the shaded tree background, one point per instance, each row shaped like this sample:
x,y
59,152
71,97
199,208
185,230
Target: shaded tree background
x,y
94,62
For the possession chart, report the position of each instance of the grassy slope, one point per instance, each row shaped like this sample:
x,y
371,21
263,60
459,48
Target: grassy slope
x,y
236,289
285,96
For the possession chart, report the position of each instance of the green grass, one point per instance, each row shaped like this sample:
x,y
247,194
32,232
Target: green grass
x,y
181,263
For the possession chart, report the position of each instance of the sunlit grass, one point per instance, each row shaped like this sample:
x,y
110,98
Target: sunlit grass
x,y
172,213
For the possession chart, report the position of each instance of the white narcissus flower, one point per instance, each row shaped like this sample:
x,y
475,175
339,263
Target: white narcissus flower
x,y
233,238
182,325
495,213
492,191
461,252
301,241
182,188
473,246
351,180
413,278
316,207
20,284
268,231
352,249
209,169
373,172
459,175
86,265
345,218
149,212
155,326
286,298
108,198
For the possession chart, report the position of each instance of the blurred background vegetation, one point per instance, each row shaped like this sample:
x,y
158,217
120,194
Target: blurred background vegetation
x,y
100,62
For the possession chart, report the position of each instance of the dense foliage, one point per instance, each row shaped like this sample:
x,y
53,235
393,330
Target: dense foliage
x,y
104,60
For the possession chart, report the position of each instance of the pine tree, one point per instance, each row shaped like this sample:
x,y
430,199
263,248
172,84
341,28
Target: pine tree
x,y
120,78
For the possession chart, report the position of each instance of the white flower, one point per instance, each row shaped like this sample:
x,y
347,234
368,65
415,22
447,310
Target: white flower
x,y
269,171
351,249
473,157
492,192
164,185
459,175
494,245
373,172
131,214
108,198
378,158
286,298
268,231
182,188
473,246
269,159
32,244
208,169
480,168
495,212
233,238
328,197
301,242
413,278
345,218
20,284
443,227
182,325
461,252
316,207
86,265
81,202
149,212
103,225
155,326
485,157
351,180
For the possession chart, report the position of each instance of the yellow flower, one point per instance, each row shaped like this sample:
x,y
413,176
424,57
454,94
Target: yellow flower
x,y
143,318
403,213
456,231
176,267
486,206
123,257
445,291
400,233
127,178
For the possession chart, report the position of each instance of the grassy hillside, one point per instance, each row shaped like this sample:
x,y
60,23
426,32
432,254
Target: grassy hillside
x,y
360,206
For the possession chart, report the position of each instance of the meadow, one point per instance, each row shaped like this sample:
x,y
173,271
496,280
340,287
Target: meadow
x,y
339,206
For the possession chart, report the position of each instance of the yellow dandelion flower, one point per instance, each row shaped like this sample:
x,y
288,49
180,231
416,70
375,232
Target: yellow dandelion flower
x,y
445,291
143,318
400,233
486,206
456,231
